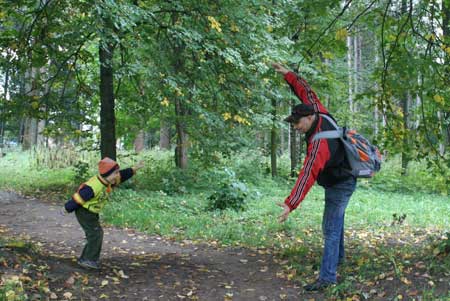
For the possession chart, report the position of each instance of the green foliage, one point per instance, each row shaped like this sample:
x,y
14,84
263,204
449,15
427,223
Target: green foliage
x,y
147,208
160,174
206,66
12,289
444,245
82,173
33,180
419,177
250,165
230,194
60,157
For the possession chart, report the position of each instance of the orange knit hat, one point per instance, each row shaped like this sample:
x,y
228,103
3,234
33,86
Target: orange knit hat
x,y
106,166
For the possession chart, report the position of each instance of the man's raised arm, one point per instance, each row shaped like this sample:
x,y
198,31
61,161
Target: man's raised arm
x,y
301,88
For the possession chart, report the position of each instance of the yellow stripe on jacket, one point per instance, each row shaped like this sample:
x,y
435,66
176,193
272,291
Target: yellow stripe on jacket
x,y
101,195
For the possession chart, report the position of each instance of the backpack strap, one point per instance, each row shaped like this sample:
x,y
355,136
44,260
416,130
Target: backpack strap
x,y
328,135
331,120
338,133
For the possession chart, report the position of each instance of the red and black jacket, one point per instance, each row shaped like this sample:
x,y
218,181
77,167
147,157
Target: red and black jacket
x,y
325,160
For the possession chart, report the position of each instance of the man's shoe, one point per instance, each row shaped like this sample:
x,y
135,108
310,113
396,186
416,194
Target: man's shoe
x,y
88,264
318,285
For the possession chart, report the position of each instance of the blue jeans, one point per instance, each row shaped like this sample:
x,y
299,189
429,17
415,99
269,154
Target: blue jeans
x,y
336,200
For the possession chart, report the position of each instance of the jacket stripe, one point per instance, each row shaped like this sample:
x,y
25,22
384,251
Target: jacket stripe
x,y
303,90
306,174
78,199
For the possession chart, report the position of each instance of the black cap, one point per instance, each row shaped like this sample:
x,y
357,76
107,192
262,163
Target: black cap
x,y
299,111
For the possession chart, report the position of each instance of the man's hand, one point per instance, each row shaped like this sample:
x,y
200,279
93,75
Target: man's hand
x,y
139,165
285,213
279,68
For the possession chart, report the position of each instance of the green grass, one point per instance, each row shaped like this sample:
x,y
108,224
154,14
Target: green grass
x,y
16,173
184,216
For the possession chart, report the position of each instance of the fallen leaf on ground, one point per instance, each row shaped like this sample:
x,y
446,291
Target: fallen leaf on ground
x,y
121,274
228,296
69,282
413,293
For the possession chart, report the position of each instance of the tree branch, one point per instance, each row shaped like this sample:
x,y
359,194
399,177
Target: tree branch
x,y
347,4
60,67
361,14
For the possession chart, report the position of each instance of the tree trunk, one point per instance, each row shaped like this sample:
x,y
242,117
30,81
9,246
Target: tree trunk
x,y
273,140
294,147
181,112
273,151
293,150
181,153
139,142
405,103
350,71
148,141
405,148
30,133
446,36
5,98
40,139
376,113
375,124
2,131
107,114
355,66
164,135
418,104
21,131
442,141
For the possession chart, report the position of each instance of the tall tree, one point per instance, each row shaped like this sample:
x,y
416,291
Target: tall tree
x,y
107,113
164,135
405,106
446,43
294,146
107,101
274,139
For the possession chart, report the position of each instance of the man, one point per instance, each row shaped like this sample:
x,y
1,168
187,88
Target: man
x,y
325,163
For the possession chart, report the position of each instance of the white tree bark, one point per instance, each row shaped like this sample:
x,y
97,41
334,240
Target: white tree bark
x,y
350,71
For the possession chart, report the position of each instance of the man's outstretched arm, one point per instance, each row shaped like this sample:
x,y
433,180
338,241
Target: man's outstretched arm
x,y
301,88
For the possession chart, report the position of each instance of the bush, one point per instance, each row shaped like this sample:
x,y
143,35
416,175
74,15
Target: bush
x,y
60,157
160,173
81,169
231,194
444,245
419,177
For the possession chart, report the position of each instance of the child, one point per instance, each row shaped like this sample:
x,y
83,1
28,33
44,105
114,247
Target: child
x,y
89,200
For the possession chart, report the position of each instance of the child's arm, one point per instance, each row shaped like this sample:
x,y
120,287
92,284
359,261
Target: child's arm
x,y
84,194
127,173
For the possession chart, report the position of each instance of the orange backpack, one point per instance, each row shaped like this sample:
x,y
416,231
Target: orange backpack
x,y
364,158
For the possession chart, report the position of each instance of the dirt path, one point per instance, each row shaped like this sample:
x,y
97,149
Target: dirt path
x,y
137,266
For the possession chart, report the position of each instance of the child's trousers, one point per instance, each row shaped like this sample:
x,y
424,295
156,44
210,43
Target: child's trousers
x,y
89,221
